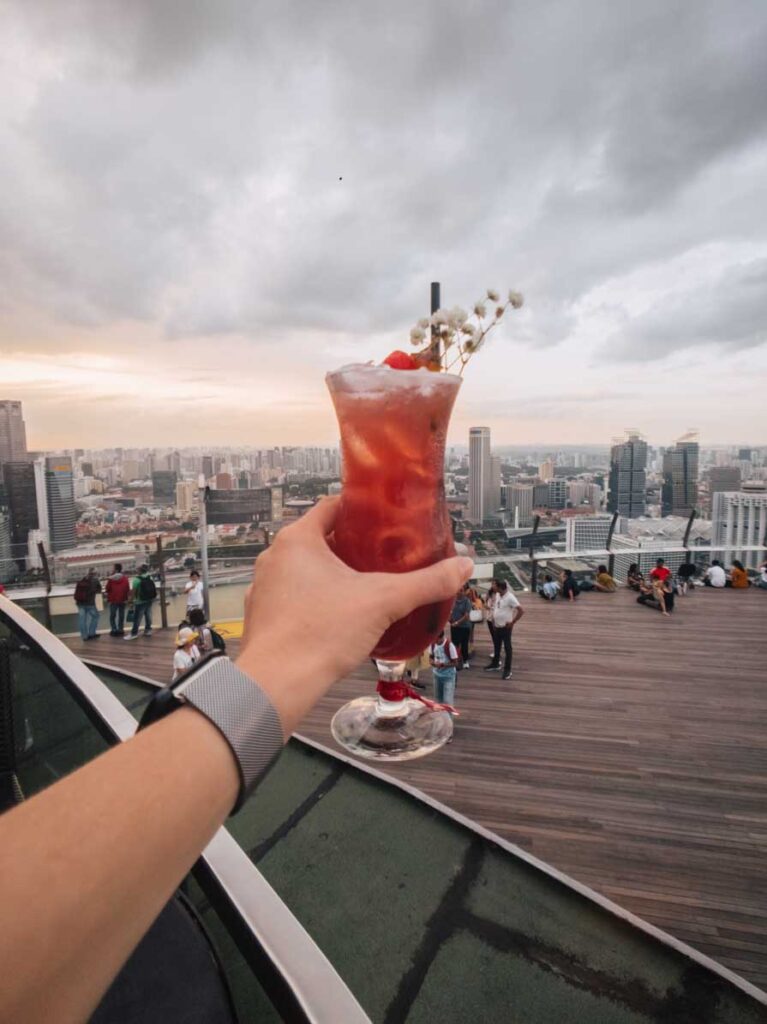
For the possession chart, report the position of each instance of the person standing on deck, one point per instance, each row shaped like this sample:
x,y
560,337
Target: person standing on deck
x,y
194,592
489,606
85,599
507,611
143,593
460,625
117,591
443,658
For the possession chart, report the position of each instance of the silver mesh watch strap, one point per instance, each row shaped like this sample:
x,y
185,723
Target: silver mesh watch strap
x,y
241,712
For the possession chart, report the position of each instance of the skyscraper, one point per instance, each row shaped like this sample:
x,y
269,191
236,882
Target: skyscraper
x,y
546,470
628,477
164,486
518,500
19,478
722,478
480,473
60,497
7,564
740,518
13,435
679,493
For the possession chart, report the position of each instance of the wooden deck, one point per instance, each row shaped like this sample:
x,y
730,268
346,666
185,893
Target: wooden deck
x,y
628,750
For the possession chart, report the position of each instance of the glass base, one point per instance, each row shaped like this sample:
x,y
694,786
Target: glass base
x,y
382,730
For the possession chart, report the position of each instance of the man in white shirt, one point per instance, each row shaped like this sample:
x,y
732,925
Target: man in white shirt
x,y
715,575
506,612
194,593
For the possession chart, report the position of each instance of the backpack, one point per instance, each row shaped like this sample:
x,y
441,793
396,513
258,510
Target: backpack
x,y
83,591
219,644
147,591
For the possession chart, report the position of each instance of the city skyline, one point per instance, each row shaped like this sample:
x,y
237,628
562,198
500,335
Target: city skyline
x,y
172,278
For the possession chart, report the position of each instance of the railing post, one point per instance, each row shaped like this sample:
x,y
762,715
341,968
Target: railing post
x,y
610,555
48,621
686,539
534,570
161,570
204,549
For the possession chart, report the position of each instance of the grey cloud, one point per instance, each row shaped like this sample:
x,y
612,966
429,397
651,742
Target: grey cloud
x,y
730,312
184,164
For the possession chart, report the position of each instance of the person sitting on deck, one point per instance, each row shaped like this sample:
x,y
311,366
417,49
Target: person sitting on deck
x,y
569,585
659,594
604,581
187,652
738,576
550,588
661,571
686,573
715,575
761,581
634,578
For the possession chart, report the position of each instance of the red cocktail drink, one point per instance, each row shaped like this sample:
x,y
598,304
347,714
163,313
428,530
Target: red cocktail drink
x,y
393,516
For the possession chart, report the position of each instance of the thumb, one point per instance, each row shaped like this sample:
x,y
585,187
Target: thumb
x,y
409,590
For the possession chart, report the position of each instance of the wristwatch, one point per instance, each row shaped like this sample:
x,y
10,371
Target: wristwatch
x,y
236,705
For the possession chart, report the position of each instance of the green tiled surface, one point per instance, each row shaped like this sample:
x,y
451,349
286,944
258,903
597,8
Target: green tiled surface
x,y
522,899
363,872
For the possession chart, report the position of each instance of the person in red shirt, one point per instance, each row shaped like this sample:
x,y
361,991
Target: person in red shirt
x,y
116,592
660,572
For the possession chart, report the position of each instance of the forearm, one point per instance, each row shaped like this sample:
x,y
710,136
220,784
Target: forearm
x,y
173,786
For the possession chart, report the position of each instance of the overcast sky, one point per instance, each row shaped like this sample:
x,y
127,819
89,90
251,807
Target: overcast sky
x,y
204,206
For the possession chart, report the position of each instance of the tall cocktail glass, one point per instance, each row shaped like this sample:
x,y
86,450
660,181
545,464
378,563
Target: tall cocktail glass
x,y
393,518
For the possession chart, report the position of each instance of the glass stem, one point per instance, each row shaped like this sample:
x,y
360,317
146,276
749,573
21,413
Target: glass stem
x,y
391,672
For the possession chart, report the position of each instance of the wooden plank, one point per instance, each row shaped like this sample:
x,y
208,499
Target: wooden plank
x,y
628,750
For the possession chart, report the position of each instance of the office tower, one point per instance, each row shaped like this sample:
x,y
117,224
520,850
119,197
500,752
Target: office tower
x,y
13,435
207,466
60,498
745,454
174,463
494,494
589,533
540,496
164,486
41,498
546,471
579,492
224,482
628,477
518,500
557,498
186,495
8,567
722,478
480,473
19,479
740,518
679,493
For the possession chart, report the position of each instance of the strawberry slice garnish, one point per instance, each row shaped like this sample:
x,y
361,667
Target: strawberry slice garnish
x,y
399,360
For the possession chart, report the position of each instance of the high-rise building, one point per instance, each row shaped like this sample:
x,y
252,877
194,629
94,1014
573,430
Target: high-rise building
x,y
60,498
628,477
546,470
557,494
722,478
41,497
224,482
494,491
13,435
740,518
207,466
480,474
679,493
517,499
19,479
164,486
8,567
186,495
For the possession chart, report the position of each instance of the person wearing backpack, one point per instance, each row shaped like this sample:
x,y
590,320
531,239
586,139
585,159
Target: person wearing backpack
x,y
209,638
143,593
443,657
85,599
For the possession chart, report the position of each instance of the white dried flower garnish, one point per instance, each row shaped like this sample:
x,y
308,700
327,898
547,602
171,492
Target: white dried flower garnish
x,y
516,300
493,295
